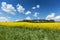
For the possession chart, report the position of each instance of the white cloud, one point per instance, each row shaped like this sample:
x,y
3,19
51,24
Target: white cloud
x,y
51,16
37,6
17,20
20,8
8,8
28,12
4,19
33,7
28,18
36,14
38,17
57,18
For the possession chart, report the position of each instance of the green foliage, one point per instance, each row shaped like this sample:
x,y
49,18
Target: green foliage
x,y
15,33
37,21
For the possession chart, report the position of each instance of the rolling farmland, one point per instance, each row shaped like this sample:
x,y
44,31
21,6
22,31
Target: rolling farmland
x,y
29,31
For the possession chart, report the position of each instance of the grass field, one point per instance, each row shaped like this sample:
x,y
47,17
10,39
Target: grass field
x,y
29,31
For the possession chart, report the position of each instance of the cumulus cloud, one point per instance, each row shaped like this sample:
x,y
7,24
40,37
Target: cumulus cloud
x,y
38,17
33,7
20,8
51,16
17,20
28,12
37,6
36,14
8,8
57,18
28,18
4,19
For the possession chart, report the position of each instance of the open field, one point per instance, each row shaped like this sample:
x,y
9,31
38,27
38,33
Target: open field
x,y
15,33
29,31
54,26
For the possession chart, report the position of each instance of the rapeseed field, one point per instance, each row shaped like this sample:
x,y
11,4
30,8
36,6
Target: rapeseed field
x,y
32,25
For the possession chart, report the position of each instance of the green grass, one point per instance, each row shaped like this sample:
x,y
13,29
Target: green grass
x,y
18,33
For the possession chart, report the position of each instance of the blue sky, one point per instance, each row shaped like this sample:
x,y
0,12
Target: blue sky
x,y
14,10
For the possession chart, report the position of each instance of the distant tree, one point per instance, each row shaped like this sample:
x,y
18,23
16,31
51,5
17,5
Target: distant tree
x,y
36,21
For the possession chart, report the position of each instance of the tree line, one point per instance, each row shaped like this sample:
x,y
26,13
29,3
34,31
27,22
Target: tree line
x,y
37,21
